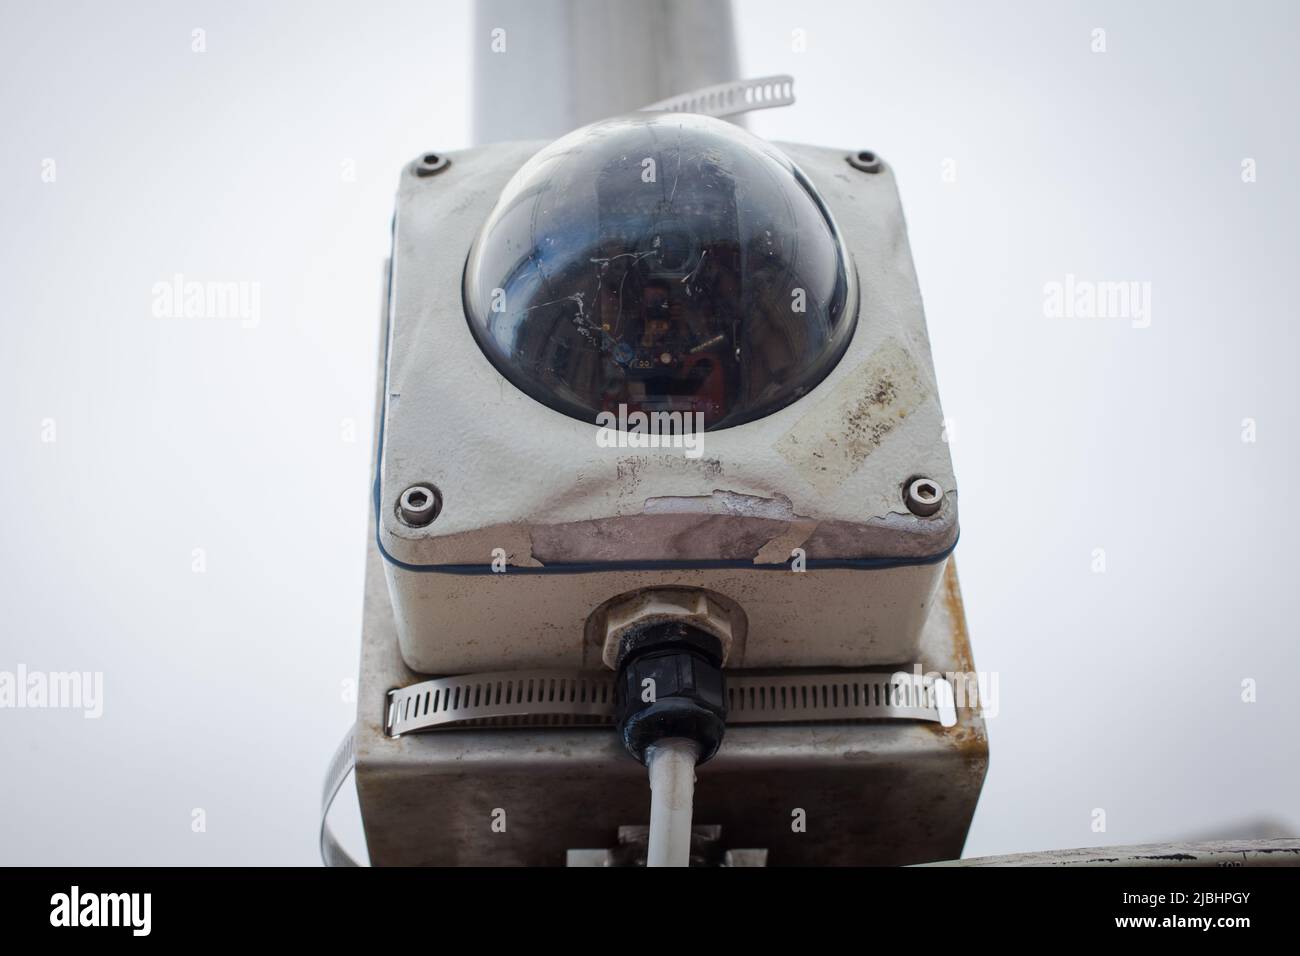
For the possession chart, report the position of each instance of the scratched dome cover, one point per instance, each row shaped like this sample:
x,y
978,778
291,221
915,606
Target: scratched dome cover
x,y
661,262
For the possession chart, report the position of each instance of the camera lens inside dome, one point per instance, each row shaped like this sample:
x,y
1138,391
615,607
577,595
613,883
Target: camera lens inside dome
x,y
661,262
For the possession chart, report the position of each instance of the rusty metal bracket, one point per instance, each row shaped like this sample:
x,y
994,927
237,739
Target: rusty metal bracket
x,y
569,698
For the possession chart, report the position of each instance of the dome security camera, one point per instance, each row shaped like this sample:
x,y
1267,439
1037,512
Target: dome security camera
x,y
657,353
660,451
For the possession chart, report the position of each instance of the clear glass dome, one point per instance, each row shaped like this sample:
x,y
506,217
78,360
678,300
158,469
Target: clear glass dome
x,y
662,262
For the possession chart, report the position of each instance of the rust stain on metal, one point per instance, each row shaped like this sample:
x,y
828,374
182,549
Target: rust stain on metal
x,y
950,593
967,736
830,443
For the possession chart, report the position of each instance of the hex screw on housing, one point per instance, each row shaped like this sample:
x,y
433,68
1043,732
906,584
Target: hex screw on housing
x,y
866,161
923,496
419,504
431,164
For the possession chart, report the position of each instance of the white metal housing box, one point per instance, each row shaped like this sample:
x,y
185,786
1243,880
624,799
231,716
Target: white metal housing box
x,y
575,524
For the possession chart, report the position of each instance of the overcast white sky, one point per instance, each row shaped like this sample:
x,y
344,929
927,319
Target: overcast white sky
x,y
1119,690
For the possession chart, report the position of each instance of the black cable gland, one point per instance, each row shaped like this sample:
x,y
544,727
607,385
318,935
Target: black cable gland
x,y
670,684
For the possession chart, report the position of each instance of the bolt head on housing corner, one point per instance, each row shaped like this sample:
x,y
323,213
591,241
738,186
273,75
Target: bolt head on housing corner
x,y
418,505
866,161
923,496
430,164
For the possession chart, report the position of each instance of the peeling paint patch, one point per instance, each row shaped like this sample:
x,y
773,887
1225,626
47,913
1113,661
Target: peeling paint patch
x,y
723,503
832,441
780,549
630,471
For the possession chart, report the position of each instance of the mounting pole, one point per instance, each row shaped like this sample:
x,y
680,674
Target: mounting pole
x,y
545,67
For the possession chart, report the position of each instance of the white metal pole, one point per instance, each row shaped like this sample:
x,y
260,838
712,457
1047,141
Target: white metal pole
x,y
545,67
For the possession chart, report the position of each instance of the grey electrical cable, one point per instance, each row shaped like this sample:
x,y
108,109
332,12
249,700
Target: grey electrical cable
x,y
671,763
